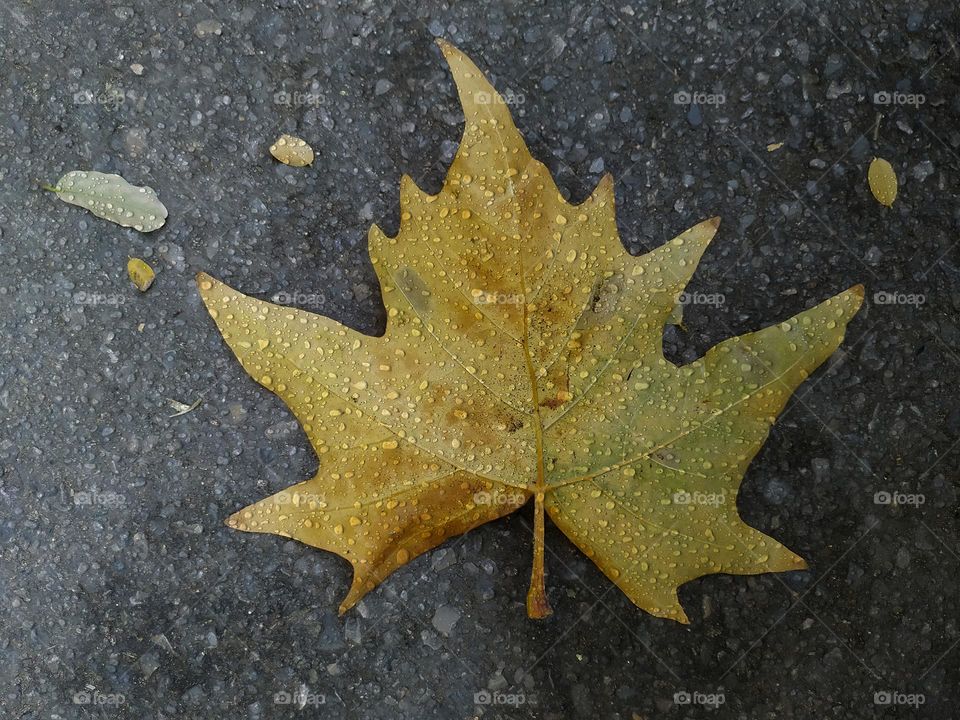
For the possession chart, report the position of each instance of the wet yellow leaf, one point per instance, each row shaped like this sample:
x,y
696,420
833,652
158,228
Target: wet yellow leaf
x,y
773,147
140,273
292,151
522,360
883,181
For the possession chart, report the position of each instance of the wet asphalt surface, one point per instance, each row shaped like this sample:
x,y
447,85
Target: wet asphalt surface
x,y
124,595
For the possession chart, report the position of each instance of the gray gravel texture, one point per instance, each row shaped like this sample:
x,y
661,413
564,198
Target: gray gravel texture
x,y
124,595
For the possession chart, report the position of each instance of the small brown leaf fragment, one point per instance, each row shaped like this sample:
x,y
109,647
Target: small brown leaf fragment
x,y
112,198
182,408
292,151
883,181
140,273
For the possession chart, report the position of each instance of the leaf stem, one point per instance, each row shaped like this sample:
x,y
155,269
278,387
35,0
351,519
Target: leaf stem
x,y
538,606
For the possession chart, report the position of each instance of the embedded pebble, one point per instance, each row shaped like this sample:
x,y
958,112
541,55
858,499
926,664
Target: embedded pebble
x,y
445,618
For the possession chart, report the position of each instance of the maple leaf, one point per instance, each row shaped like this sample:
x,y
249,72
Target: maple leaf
x,y
522,359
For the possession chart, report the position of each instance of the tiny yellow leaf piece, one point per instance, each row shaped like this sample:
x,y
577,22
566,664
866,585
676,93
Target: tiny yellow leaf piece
x,y
523,361
773,147
292,151
140,273
883,181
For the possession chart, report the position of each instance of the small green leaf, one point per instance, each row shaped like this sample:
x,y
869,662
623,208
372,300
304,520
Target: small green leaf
x,y
112,198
